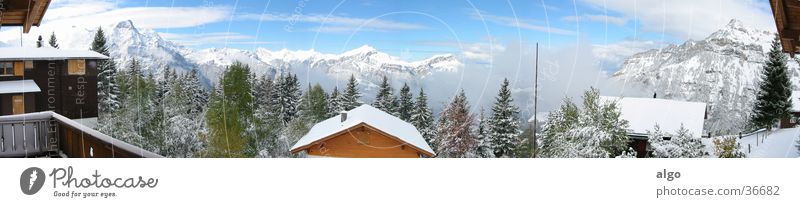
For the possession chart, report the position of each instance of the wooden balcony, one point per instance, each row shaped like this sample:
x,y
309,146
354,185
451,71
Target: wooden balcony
x,y
48,134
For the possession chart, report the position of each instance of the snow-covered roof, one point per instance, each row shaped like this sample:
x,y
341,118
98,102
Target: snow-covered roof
x,y
366,114
644,113
46,53
18,86
795,101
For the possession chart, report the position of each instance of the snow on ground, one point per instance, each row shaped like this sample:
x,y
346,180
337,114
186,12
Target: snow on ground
x,y
778,143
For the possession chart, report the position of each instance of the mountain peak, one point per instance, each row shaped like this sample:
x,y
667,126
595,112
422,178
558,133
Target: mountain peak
x,y
127,24
735,24
364,49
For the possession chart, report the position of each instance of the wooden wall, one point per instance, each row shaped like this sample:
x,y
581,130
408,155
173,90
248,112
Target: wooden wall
x,y
362,142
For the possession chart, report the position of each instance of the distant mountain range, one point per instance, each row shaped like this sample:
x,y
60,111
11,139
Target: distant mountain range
x,y
722,70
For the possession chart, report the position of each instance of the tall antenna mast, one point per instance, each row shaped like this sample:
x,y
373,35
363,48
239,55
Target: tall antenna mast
x,y
535,102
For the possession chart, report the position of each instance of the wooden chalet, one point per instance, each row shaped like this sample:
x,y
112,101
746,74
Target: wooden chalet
x,y
791,122
48,79
46,94
643,114
23,13
787,20
363,132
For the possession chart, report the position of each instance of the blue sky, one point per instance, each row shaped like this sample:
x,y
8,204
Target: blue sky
x,y
415,29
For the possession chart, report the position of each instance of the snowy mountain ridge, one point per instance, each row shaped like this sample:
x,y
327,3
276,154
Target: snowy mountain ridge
x,y
722,70
126,41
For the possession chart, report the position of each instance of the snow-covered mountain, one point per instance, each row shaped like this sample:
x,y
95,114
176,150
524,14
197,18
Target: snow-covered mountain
x,y
365,62
722,70
126,42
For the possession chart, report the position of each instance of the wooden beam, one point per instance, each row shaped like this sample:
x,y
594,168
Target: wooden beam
x,y
33,11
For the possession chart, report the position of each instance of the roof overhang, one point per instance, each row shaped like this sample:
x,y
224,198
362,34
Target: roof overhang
x,y
18,86
362,124
25,13
45,53
787,20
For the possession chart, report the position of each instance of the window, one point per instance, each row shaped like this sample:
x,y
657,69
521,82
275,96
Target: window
x,y
18,104
6,68
29,64
76,67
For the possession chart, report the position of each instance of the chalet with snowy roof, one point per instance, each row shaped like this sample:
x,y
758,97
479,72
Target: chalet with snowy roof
x,y
46,95
363,132
791,122
48,79
643,114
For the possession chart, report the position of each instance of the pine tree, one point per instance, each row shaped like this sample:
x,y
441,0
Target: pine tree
x,y
183,127
107,89
39,42
681,144
596,130
405,103
773,100
504,125
53,42
351,96
286,97
454,130
335,105
314,106
199,93
422,119
385,100
230,113
482,134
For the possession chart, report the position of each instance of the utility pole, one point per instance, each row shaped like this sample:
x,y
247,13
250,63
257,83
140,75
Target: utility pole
x,y
535,102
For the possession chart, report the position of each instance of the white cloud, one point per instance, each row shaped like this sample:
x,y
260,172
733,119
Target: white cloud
x,y
526,24
689,19
214,38
74,14
333,23
618,21
479,52
610,56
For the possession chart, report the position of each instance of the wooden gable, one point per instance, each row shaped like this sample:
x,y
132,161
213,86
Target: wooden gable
x,y
362,141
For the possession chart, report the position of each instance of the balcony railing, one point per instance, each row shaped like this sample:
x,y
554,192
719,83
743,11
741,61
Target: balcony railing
x,y
48,134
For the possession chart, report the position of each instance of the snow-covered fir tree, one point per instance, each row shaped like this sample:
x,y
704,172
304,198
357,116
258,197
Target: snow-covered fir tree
x,y
484,146
199,93
504,124
39,42
596,130
680,144
351,97
53,42
454,130
422,119
107,89
385,99
183,125
773,100
405,104
286,98
335,105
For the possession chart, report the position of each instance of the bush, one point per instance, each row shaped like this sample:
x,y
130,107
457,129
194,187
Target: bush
x,y
726,147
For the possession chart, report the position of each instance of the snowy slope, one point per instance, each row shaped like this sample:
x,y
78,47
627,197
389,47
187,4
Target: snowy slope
x,y
778,143
722,70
